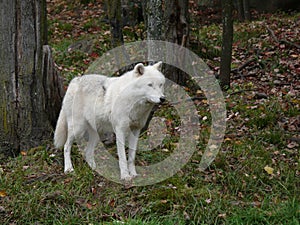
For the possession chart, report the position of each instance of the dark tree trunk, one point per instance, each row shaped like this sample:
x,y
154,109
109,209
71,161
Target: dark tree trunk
x,y
114,13
28,91
227,6
240,10
243,8
246,8
177,31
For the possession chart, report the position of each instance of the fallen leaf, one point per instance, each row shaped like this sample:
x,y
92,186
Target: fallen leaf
x,y
208,201
3,194
227,139
89,205
112,203
186,215
292,145
269,170
222,215
25,167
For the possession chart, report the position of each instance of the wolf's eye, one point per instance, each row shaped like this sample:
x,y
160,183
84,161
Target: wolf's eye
x,y
150,85
160,85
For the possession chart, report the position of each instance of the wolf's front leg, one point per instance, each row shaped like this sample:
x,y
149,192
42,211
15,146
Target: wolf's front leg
x,y
133,140
120,136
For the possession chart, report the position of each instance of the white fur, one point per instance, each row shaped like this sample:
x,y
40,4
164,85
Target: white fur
x,y
97,104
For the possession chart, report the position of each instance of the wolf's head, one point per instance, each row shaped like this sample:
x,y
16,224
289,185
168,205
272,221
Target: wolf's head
x,y
151,82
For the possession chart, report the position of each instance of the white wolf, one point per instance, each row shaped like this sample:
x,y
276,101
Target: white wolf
x,y
96,104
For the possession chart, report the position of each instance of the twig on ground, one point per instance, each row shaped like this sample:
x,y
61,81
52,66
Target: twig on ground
x,y
241,91
289,43
243,65
188,99
280,40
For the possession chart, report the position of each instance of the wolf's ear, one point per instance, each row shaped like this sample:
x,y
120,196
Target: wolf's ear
x,y
158,65
139,69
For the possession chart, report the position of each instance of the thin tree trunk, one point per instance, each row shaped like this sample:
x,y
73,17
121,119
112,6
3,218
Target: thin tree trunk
x,y
27,91
247,13
177,31
240,9
243,8
154,19
227,6
177,26
114,12
154,26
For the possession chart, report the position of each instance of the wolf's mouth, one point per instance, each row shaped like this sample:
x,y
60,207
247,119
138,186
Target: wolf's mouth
x,y
157,101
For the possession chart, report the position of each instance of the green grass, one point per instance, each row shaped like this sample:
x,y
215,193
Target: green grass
x,y
285,213
235,189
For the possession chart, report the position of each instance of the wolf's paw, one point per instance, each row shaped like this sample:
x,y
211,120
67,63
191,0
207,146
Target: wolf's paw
x,y
133,174
92,164
132,171
126,177
69,170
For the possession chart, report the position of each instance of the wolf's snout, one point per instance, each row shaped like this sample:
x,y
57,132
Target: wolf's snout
x,y
162,99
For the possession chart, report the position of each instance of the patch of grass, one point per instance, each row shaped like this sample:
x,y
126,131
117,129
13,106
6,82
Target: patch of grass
x,y
235,189
209,40
59,27
245,35
91,23
286,213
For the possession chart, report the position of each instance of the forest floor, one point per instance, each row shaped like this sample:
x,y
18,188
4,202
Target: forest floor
x,y
255,178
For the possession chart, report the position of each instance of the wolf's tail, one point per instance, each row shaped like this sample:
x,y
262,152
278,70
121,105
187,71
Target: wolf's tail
x,y
60,134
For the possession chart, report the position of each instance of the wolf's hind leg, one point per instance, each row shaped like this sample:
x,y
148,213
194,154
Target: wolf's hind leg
x,y
67,154
90,148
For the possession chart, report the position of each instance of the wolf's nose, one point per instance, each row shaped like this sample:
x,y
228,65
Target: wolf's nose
x,y
162,99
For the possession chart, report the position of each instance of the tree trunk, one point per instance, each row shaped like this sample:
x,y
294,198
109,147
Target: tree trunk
x,y
177,31
114,13
154,19
243,8
176,21
240,10
227,6
247,13
154,26
28,91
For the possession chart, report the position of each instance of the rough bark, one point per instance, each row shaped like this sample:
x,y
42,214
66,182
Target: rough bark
x,y
154,19
114,13
53,86
246,8
240,10
227,21
132,12
26,95
176,30
154,24
176,20
243,8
